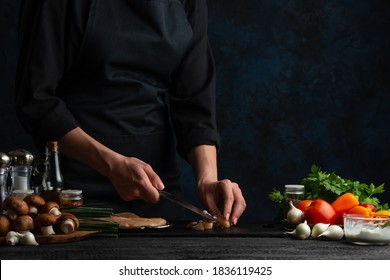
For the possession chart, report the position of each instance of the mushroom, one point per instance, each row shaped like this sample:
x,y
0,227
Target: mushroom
x,y
23,223
15,206
45,223
35,203
5,225
67,223
52,208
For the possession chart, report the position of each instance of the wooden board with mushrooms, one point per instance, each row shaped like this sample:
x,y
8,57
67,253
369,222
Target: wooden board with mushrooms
x,y
33,220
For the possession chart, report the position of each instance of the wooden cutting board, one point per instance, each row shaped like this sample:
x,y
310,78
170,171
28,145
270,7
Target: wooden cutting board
x,y
59,238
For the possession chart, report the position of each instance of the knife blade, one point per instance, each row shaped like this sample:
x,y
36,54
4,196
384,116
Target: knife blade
x,y
187,205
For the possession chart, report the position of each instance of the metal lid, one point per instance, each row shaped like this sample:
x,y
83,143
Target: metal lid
x,y
294,189
72,192
21,157
5,160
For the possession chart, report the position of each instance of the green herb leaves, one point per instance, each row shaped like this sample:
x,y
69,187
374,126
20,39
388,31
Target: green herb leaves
x,y
328,186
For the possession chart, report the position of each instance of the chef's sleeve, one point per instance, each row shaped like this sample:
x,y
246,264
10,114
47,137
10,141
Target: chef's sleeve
x,y
193,97
49,36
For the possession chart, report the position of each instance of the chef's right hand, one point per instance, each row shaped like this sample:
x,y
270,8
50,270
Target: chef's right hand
x,y
134,179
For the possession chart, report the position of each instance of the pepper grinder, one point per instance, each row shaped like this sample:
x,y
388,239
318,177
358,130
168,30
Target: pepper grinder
x,y
5,162
21,167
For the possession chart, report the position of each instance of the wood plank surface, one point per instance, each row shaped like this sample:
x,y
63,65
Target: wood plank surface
x,y
59,238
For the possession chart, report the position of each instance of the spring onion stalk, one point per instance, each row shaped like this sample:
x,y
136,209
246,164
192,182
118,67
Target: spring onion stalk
x,y
85,212
106,229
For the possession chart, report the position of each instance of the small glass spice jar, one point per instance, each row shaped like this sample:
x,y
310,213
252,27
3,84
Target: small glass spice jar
x,y
71,197
294,193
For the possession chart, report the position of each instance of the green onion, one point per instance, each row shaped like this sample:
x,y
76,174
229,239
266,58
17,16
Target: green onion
x,y
105,228
85,212
87,216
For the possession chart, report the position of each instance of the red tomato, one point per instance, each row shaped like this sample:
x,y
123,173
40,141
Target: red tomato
x,y
304,204
367,205
320,211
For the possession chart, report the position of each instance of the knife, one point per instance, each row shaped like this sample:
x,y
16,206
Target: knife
x,y
187,205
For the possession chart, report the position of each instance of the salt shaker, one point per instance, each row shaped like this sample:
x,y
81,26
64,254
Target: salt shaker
x,y
21,167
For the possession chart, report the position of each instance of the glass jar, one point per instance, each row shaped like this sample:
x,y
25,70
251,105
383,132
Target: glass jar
x,y
5,189
71,197
294,193
21,161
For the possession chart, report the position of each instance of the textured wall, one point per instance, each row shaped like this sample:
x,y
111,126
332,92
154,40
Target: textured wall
x,y
299,82
302,82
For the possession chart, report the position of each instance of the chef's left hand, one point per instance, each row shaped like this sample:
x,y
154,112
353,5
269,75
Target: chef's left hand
x,y
225,195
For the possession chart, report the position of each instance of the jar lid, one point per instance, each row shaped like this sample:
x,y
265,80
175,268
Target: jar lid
x,y
294,188
71,192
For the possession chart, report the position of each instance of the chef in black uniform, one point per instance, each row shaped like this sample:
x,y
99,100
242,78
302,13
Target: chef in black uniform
x,y
124,85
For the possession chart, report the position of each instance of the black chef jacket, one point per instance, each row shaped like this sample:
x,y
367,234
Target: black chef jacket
x,y
137,75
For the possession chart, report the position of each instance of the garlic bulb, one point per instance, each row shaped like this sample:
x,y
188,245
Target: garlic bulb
x,y
302,231
28,238
295,215
12,238
318,229
333,232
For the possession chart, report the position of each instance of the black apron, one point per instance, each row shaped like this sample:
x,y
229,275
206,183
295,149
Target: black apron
x,y
118,91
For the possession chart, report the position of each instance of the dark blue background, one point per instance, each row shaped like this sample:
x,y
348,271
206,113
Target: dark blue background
x,y
299,82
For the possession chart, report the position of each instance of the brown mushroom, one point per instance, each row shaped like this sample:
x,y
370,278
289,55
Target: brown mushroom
x,y
23,223
67,223
5,225
15,206
35,203
51,207
45,223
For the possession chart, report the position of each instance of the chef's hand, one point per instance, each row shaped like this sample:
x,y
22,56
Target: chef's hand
x,y
134,179
224,195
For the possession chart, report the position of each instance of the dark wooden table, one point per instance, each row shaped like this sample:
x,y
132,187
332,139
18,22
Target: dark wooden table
x,y
249,242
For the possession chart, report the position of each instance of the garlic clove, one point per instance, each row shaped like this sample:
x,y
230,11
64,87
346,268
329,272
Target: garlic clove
x,y
12,238
295,215
302,231
318,229
333,232
28,238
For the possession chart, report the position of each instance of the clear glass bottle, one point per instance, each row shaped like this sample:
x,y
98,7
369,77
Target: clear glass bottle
x,y
52,180
5,189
